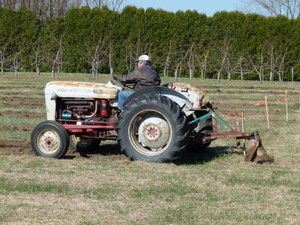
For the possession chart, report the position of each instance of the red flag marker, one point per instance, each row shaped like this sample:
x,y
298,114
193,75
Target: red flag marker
x,y
228,114
283,99
262,102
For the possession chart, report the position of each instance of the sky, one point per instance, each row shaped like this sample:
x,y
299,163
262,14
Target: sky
x,y
208,7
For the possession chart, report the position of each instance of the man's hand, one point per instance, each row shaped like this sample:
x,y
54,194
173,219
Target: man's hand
x,y
115,76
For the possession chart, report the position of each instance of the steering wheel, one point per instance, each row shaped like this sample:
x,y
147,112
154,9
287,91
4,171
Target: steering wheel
x,y
118,83
123,85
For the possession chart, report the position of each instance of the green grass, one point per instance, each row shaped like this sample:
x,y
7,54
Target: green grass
x,y
19,121
214,187
15,135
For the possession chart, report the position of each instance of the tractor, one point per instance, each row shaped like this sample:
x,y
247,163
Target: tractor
x,y
157,124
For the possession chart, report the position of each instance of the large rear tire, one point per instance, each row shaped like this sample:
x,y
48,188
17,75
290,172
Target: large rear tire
x,y
50,139
152,128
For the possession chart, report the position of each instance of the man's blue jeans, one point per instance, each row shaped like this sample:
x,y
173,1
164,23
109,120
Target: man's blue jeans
x,y
122,96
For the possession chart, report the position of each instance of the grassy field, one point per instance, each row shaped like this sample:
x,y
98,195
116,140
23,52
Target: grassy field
x,y
103,187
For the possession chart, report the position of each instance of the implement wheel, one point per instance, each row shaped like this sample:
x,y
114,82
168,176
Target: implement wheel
x,y
50,139
152,128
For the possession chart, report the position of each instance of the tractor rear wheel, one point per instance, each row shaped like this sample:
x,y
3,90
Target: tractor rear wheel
x,y
50,139
152,128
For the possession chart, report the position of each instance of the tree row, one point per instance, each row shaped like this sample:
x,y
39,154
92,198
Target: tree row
x,y
228,45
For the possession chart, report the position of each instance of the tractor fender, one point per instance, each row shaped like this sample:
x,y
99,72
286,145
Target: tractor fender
x,y
183,102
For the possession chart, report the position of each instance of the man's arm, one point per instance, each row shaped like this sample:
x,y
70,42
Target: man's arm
x,y
129,78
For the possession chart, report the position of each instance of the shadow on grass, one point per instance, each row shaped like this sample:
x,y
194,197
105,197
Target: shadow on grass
x,y
104,150
196,156
191,156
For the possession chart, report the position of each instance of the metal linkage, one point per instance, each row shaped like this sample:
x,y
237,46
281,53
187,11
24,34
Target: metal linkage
x,y
214,115
255,141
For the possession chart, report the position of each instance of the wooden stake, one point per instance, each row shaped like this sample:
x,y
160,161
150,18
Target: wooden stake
x,y
243,130
267,112
243,124
286,106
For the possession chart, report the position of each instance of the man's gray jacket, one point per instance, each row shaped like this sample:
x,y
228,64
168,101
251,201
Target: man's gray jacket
x,y
141,77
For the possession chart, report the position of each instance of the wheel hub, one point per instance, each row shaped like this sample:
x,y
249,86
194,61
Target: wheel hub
x,y
154,132
48,142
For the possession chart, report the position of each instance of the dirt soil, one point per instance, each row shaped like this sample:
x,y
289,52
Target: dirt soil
x,y
23,147
22,114
14,147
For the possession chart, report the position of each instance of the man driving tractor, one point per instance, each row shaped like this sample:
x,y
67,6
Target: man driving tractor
x,y
143,76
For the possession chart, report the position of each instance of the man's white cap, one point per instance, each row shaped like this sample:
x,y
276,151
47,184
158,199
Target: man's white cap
x,y
144,58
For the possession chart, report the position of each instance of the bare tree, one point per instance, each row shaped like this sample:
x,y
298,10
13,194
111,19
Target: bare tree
x,y
281,65
116,5
180,60
272,62
191,65
201,58
288,8
1,61
2,58
98,55
57,61
260,69
204,65
37,62
112,4
96,52
16,64
44,9
110,56
277,56
241,67
225,50
167,63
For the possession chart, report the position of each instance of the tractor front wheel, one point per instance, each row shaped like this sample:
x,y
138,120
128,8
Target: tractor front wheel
x,y
50,139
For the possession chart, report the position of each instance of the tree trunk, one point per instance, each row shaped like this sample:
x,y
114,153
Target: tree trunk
x,y
53,74
241,68
261,74
2,61
111,71
204,67
272,64
191,73
228,70
219,75
166,69
95,67
37,66
281,66
16,64
221,68
176,73
191,66
167,64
